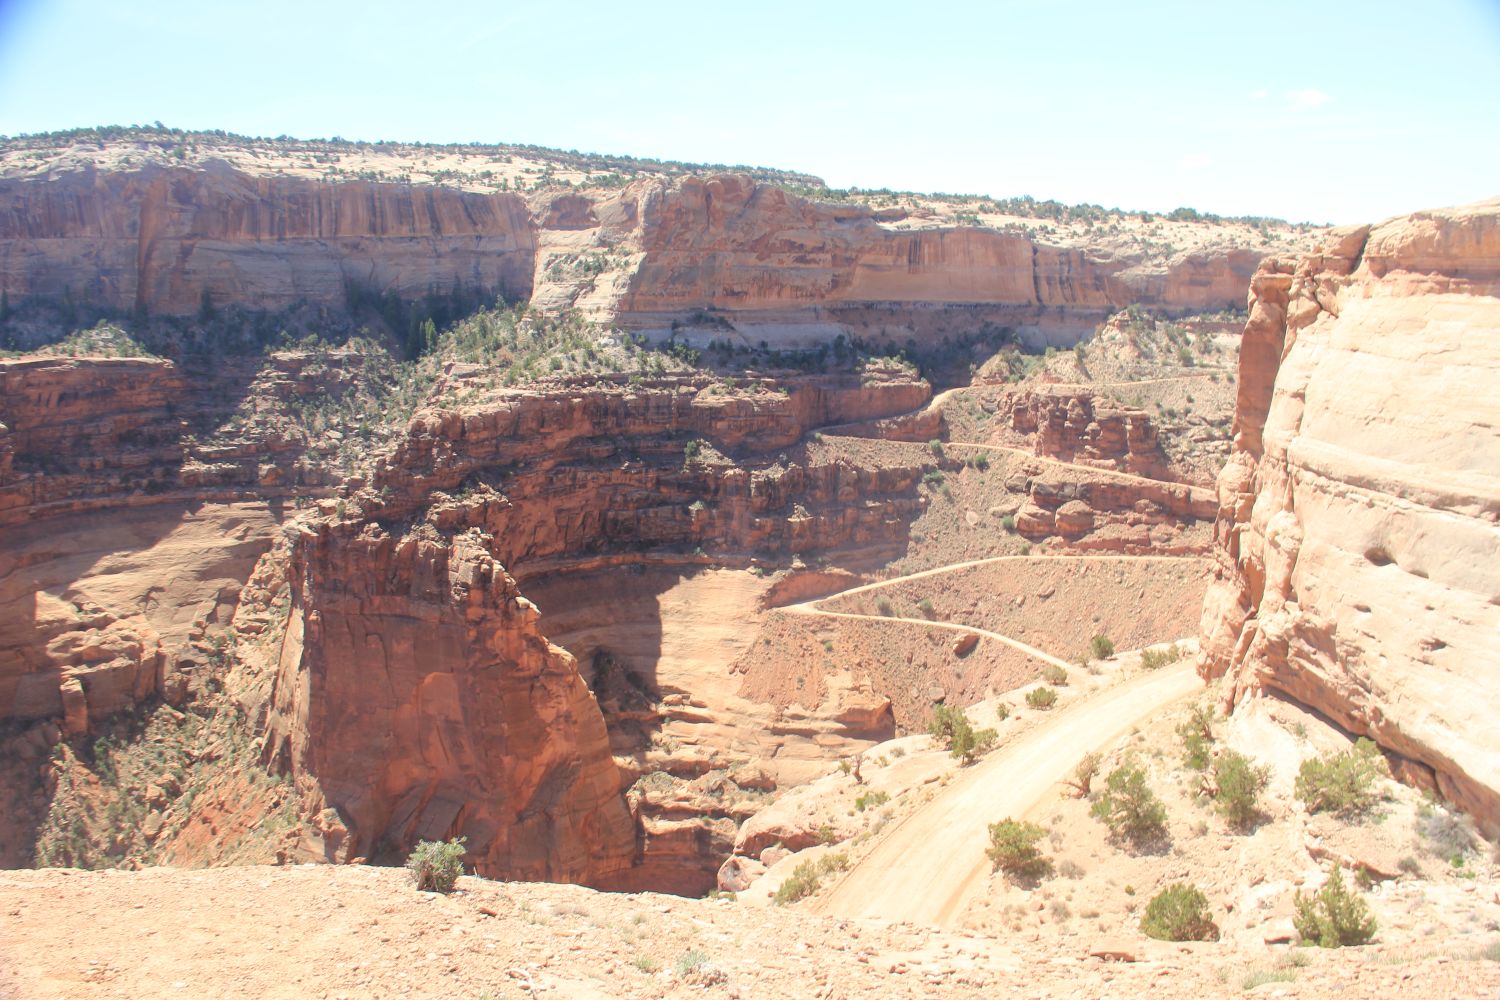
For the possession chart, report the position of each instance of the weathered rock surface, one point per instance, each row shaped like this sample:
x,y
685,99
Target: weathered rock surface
x,y
415,699
105,433
1077,426
719,256
168,240
796,271
1357,540
1101,510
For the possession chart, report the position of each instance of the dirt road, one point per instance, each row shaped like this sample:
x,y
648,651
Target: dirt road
x,y
927,865
811,607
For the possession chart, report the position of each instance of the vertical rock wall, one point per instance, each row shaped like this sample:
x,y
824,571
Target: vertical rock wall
x,y
1358,534
415,699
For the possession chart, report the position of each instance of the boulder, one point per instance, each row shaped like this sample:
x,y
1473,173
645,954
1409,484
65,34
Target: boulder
x,y
736,873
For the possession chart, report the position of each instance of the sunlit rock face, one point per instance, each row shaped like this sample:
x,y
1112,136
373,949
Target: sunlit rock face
x,y
1357,539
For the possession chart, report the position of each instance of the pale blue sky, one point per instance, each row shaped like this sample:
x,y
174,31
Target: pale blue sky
x,y
1317,111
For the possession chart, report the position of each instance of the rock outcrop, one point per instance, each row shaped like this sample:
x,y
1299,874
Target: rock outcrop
x,y
415,699
790,271
1074,425
1358,534
172,240
415,696
722,256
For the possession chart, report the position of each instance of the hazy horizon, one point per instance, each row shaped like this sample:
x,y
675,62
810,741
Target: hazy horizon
x,y
1310,115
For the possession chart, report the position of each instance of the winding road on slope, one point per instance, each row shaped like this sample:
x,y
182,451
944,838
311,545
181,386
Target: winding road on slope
x,y
928,865
811,607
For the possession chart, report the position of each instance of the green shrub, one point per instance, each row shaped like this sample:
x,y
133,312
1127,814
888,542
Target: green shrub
x,y
925,606
1261,977
885,607
1041,698
1102,647
1155,659
691,960
952,726
1013,849
1343,782
1129,808
1238,784
1055,675
1008,522
871,800
1179,913
801,883
1198,737
436,866
807,877
936,447
1333,917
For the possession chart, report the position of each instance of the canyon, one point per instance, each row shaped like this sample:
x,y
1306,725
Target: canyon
x,y
630,522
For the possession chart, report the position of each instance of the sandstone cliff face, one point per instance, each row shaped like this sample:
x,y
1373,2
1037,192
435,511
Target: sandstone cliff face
x,y
772,265
416,698
800,271
162,239
1357,539
101,487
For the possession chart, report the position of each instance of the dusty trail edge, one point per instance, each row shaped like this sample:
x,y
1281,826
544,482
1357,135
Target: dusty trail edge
x,y
925,869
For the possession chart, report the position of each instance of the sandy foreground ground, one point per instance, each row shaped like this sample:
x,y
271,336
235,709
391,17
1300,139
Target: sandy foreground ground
x,y
363,932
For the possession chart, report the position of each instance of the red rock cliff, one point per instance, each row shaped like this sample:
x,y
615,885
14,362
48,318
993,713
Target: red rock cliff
x,y
162,238
1358,535
416,698
780,267
754,251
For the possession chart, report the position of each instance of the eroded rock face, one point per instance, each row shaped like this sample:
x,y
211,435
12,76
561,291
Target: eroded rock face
x,y
416,698
766,264
1076,426
800,271
1357,541
170,240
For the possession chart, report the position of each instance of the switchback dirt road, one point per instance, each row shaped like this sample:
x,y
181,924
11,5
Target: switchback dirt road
x,y
927,865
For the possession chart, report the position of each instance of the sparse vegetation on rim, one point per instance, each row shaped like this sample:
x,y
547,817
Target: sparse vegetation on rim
x,y
436,865
1342,782
1179,913
1334,916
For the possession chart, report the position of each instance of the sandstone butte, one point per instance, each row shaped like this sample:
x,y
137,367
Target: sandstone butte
x,y
385,658
1359,513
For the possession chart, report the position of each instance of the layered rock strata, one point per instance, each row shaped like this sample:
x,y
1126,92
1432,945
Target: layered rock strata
x,y
172,240
715,257
1358,533
779,268
1077,426
416,700
476,725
